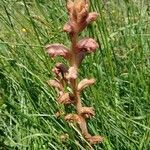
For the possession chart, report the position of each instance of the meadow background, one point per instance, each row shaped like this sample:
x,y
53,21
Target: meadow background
x,y
121,95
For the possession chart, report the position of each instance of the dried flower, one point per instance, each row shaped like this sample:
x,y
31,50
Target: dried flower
x,y
60,70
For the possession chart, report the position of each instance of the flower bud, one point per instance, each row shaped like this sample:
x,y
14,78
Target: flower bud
x,y
67,28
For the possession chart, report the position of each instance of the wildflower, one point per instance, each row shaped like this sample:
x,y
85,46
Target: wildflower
x,y
79,18
24,30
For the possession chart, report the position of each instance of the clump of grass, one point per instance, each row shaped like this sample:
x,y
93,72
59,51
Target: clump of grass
x,y
79,18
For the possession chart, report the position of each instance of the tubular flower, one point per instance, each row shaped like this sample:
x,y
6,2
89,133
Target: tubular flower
x,y
66,98
72,73
57,50
88,45
94,139
84,83
55,84
72,118
87,112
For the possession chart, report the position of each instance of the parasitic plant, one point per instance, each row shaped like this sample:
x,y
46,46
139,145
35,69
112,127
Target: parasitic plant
x,y
79,18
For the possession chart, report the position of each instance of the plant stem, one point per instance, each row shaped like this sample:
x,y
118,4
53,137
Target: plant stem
x,y
82,124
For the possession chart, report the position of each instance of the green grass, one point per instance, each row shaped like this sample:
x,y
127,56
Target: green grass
x,y
121,96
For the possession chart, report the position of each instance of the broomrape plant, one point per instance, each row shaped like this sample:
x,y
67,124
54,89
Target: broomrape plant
x,y
79,18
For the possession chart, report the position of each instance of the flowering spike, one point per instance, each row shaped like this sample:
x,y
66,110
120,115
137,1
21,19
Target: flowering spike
x,y
79,18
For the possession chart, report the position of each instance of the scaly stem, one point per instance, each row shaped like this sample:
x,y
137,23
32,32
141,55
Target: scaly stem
x,y
82,125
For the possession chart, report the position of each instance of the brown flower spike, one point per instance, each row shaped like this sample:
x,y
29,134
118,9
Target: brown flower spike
x,y
79,18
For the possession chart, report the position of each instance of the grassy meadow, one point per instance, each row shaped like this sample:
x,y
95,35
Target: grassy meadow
x,y
121,66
